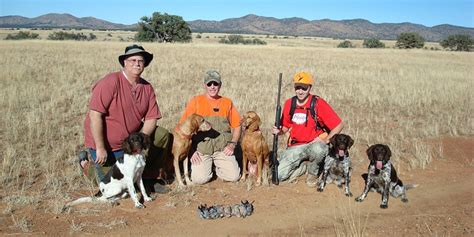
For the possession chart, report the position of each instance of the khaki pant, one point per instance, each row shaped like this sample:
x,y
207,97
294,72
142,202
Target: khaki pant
x,y
158,154
227,168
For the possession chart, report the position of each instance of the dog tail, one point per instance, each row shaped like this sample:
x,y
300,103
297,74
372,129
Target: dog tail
x,y
410,186
81,201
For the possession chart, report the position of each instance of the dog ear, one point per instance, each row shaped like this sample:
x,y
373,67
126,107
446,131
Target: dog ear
x,y
388,153
332,141
258,121
146,141
369,151
351,142
127,149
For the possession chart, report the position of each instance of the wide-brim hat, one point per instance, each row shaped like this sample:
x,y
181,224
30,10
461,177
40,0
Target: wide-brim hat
x,y
134,50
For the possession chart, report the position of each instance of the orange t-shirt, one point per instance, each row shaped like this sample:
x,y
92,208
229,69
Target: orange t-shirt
x,y
206,107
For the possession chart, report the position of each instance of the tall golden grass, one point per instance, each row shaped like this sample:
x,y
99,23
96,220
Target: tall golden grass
x,y
402,98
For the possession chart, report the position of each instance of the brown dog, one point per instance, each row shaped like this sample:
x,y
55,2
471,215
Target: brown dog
x,y
182,135
254,148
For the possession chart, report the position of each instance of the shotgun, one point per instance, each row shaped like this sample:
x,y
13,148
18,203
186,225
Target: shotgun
x,y
275,137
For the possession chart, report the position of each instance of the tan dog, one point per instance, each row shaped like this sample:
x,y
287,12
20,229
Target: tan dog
x,y
254,148
182,135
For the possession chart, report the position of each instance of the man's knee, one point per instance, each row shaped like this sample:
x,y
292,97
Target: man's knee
x,y
200,179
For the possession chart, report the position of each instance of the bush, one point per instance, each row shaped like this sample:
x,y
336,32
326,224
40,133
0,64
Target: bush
x,y
458,43
345,44
70,36
22,35
198,36
410,40
238,39
373,43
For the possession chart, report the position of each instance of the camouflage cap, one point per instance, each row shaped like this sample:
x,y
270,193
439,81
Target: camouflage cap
x,y
212,75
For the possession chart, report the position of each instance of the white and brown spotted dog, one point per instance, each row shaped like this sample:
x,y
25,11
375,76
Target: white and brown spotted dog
x,y
123,175
382,176
337,164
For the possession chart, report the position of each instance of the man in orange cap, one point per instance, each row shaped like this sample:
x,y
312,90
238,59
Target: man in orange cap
x,y
307,118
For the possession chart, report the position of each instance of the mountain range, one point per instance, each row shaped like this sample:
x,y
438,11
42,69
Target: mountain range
x,y
253,24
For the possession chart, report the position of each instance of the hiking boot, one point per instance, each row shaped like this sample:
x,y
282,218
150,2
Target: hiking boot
x,y
311,181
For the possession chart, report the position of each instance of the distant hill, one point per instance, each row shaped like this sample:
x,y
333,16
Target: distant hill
x,y
54,20
344,29
253,24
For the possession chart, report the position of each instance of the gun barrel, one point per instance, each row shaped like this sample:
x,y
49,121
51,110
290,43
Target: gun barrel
x,y
275,137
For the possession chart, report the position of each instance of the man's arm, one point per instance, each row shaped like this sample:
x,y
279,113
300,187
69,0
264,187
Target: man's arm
x,y
97,130
229,149
333,132
149,126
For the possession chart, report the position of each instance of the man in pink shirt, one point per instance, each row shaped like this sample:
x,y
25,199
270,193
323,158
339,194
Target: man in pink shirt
x,y
122,103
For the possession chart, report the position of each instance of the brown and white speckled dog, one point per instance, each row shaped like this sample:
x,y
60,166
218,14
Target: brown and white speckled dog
x,y
382,176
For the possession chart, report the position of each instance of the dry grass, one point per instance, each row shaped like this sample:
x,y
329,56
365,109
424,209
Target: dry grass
x,y
396,97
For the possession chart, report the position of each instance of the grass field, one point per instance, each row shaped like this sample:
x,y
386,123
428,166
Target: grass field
x,y
402,98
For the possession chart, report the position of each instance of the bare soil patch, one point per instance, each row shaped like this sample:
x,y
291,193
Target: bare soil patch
x,y
441,205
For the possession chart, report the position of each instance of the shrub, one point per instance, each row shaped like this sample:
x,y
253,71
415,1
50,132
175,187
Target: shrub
x,y
198,36
410,40
238,39
22,35
70,36
458,43
345,44
373,43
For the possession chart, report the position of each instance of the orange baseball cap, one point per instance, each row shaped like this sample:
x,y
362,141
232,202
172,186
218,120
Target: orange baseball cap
x,y
303,78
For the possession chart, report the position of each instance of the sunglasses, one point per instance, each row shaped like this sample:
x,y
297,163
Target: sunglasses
x,y
212,83
304,88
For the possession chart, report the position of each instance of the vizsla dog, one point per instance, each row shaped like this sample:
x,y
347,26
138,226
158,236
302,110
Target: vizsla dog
x,y
182,135
254,148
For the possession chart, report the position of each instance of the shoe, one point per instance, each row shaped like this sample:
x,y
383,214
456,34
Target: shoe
x,y
311,181
83,156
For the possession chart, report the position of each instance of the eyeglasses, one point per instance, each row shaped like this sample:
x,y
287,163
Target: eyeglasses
x,y
134,60
304,88
212,83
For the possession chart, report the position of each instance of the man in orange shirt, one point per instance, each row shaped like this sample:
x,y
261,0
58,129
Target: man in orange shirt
x,y
217,145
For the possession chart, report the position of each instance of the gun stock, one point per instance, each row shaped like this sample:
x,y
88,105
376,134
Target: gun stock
x,y
275,137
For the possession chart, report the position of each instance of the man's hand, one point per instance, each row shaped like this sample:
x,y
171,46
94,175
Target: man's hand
x,y
101,156
196,158
229,149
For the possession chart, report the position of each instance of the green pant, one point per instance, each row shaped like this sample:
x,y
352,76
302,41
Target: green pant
x,y
156,160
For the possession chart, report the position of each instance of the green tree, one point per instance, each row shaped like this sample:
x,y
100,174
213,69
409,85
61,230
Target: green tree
x,y
345,44
410,40
373,43
163,28
458,43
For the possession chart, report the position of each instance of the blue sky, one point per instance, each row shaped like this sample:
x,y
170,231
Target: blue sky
x,y
425,12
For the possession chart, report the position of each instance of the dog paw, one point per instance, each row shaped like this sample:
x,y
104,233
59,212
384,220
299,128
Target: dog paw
x,y
349,194
359,199
148,199
405,200
139,205
383,206
320,189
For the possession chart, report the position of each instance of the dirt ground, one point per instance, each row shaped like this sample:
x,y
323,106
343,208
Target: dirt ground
x,y
441,205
